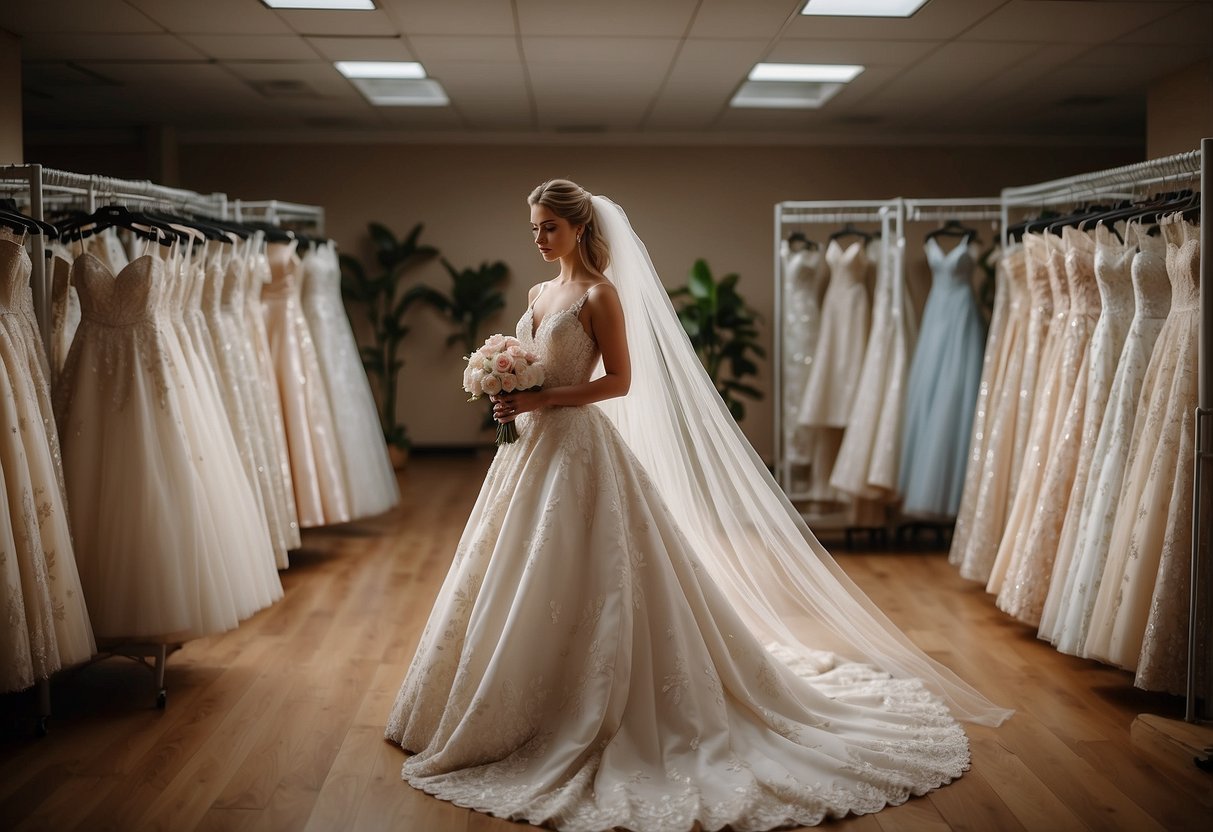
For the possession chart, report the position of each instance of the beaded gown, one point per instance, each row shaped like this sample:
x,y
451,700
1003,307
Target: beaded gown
x,y
579,667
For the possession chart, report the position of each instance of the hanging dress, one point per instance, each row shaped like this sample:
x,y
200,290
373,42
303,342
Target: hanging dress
x,y
803,277
317,471
369,475
1023,593
1113,263
1141,609
1003,357
46,625
944,378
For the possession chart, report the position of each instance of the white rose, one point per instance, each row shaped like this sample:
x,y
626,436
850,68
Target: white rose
x,y
538,375
509,382
491,384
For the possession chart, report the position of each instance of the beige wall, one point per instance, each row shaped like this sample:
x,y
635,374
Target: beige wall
x,y
1180,110
10,99
685,202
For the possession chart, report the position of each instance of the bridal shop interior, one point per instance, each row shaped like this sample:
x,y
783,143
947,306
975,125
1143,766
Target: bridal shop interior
x,y
942,259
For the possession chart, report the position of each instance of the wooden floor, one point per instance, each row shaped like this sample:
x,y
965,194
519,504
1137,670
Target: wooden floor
x,y
278,725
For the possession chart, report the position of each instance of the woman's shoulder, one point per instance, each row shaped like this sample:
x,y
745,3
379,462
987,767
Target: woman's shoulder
x,y
535,291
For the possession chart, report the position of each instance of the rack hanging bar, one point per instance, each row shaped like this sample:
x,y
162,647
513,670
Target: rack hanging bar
x,y
826,218
846,204
991,214
1141,174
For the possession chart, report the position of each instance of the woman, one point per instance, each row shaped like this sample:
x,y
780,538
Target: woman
x,y
596,654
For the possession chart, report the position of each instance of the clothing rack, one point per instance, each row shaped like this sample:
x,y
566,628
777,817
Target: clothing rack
x,y
275,211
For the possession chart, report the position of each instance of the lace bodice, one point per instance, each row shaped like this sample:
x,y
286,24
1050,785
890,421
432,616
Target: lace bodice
x,y
1112,264
1081,285
1151,286
568,353
15,267
1183,262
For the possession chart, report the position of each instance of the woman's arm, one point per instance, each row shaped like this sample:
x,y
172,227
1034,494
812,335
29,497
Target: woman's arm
x,y
609,332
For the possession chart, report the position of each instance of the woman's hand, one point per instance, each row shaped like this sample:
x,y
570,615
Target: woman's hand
x,y
507,406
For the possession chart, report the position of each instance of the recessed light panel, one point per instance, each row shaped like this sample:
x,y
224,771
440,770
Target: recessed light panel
x,y
380,69
402,92
784,95
337,5
820,73
863,8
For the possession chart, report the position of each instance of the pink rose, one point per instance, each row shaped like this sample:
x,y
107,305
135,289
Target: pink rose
x,y
495,342
491,385
532,358
526,379
509,382
515,351
503,363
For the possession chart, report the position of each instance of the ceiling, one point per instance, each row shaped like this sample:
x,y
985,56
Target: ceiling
x,y
1024,71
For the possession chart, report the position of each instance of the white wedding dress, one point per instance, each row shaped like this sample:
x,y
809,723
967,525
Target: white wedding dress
x,y
581,668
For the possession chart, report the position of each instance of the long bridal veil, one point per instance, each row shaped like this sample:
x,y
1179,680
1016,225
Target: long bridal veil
x,y
749,537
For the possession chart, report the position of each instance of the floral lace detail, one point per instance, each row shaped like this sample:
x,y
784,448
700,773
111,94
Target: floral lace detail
x,y
580,669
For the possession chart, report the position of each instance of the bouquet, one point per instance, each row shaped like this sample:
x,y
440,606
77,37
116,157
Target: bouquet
x,y
502,366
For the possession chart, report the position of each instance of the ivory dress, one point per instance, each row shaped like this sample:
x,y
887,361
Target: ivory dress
x,y
45,625
318,474
803,277
647,704
369,475
1113,263
1139,609
1023,593
944,378
1151,303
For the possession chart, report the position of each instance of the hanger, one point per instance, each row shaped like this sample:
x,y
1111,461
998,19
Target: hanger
x,y
953,228
12,217
798,237
850,230
119,216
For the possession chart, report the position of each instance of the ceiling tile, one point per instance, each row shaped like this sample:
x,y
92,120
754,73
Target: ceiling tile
x,y
320,76
253,47
362,49
226,17
466,79
1192,24
752,19
937,20
623,18
72,46
1067,21
623,53
864,52
431,48
22,18
333,23
451,17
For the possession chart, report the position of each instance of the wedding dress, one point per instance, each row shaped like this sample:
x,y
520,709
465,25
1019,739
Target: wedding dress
x,y
1151,303
1113,263
65,310
803,277
369,476
990,447
653,704
1023,593
45,625
1134,623
944,378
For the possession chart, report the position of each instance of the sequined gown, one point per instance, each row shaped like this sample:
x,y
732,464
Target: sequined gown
x,y
618,688
45,625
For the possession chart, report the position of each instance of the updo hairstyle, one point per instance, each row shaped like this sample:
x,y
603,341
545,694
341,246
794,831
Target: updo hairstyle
x,y
571,202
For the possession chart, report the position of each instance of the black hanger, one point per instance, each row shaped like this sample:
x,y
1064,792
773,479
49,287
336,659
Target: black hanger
x,y
119,216
799,237
850,230
953,228
15,218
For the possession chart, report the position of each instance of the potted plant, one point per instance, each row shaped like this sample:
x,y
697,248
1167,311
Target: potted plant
x,y
385,301
721,327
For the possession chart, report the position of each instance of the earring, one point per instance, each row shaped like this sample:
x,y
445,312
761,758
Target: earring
x,y
579,238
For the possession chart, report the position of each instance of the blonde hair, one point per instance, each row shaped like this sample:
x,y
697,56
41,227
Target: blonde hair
x,y
571,202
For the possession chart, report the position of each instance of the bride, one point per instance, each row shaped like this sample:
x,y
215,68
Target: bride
x,y
637,629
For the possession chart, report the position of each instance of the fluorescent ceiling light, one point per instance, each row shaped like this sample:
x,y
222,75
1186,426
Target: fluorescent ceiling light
x,y
821,73
341,5
784,95
863,8
380,69
402,92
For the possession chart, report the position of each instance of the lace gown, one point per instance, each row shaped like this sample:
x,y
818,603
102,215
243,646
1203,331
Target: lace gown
x,y
618,687
803,277
868,459
944,377
45,625
369,475
1023,594
1113,262
1140,616
1151,303
994,434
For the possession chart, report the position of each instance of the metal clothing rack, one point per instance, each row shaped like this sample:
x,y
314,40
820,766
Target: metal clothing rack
x,y
276,212
1132,181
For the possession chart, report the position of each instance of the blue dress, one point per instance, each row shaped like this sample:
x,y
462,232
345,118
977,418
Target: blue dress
x,y
944,378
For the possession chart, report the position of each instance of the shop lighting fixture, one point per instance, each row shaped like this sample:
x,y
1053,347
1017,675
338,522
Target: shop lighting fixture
x,y
325,5
394,83
818,73
863,8
380,69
